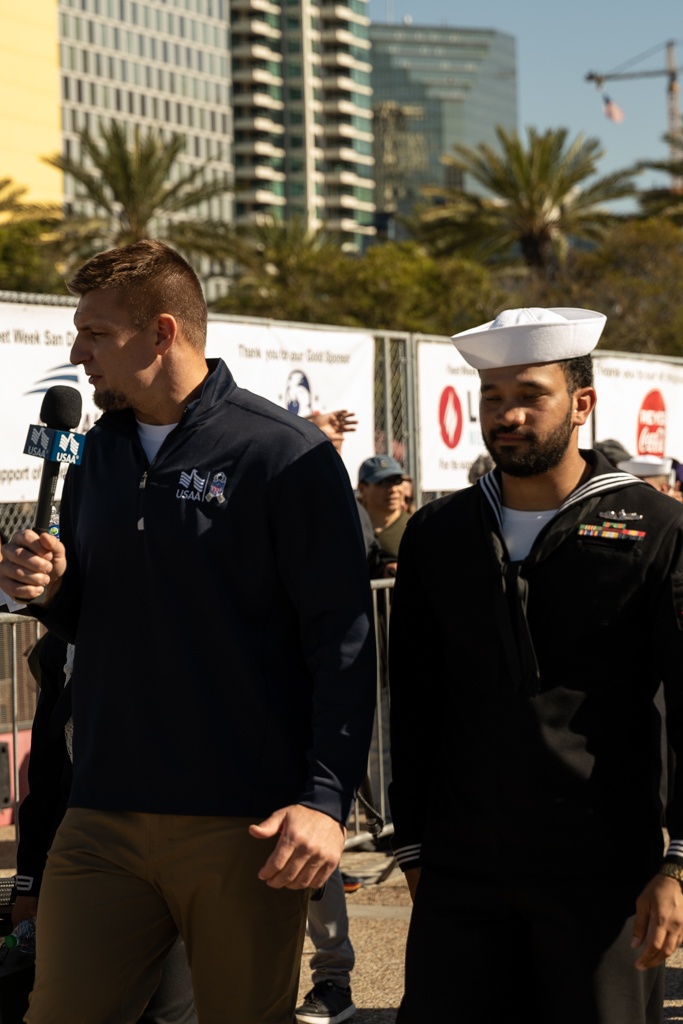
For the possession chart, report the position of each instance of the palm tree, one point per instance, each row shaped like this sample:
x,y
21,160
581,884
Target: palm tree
x,y
25,263
133,193
538,195
10,197
285,270
664,202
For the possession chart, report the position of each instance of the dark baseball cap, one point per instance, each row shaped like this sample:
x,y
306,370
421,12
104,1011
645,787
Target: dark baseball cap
x,y
378,468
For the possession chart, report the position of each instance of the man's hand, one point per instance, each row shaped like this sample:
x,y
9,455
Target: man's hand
x,y
30,563
335,424
658,927
308,850
25,909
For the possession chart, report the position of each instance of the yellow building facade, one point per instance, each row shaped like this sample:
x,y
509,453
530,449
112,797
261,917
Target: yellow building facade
x,y
30,125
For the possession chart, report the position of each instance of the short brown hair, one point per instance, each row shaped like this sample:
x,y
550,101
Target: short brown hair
x,y
153,279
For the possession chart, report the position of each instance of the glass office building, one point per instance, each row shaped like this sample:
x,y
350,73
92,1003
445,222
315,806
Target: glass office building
x,y
435,87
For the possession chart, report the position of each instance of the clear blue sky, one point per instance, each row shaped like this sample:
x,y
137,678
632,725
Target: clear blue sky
x,y
557,44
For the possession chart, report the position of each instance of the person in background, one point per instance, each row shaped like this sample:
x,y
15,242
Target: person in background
x,y
409,505
482,465
380,493
613,451
329,1000
654,470
334,425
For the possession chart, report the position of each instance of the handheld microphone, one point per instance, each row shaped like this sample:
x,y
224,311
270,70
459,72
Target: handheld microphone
x,y
56,444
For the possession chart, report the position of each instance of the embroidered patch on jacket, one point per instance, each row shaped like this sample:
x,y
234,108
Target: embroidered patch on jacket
x,y
216,488
610,531
192,486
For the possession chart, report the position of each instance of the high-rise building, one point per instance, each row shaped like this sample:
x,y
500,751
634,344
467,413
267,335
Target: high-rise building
x,y
303,121
435,87
30,112
291,79
153,64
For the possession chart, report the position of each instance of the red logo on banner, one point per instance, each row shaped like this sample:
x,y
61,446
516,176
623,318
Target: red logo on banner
x,y
652,425
450,417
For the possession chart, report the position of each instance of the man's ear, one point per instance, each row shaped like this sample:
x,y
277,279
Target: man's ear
x,y
583,403
166,332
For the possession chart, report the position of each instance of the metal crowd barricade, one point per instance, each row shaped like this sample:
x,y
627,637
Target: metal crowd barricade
x,y
374,790
18,699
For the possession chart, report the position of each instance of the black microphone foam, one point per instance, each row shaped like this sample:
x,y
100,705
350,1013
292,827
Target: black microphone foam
x,y
62,407
61,410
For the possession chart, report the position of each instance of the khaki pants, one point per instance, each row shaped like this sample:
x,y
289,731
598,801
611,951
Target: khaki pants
x,y
119,887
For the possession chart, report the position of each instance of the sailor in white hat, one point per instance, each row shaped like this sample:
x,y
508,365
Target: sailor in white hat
x,y
536,391
653,469
525,744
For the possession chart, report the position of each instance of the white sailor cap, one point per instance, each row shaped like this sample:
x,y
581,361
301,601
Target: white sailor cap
x,y
522,336
646,465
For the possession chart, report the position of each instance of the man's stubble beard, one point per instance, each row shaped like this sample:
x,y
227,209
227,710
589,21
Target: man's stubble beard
x,y
536,456
111,401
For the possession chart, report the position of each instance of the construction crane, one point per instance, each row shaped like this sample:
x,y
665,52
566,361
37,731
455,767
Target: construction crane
x,y
674,132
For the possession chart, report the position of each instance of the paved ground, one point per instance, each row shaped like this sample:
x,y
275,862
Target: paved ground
x,y
379,916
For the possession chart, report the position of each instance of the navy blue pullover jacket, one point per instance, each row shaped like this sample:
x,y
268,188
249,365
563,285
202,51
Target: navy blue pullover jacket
x,y
220,606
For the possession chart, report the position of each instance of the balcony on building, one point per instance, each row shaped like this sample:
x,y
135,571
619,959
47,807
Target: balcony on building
x,y
242,6
340,12
258,174
257,148
262,124
255,76
253,27
252,51
259,100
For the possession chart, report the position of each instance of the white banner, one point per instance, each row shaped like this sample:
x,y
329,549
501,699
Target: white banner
x,y
35,342
448,411
640,404
305,369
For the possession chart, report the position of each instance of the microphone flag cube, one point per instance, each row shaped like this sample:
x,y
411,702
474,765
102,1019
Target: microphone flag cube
x,y
55,445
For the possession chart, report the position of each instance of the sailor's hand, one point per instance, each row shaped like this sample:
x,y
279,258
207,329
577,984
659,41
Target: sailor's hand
x,y
658,927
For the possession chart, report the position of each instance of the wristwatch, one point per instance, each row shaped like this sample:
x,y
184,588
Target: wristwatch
x,y
672,870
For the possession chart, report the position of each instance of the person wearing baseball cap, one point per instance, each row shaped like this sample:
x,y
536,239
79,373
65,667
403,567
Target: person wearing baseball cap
x,y
534,616
380,493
